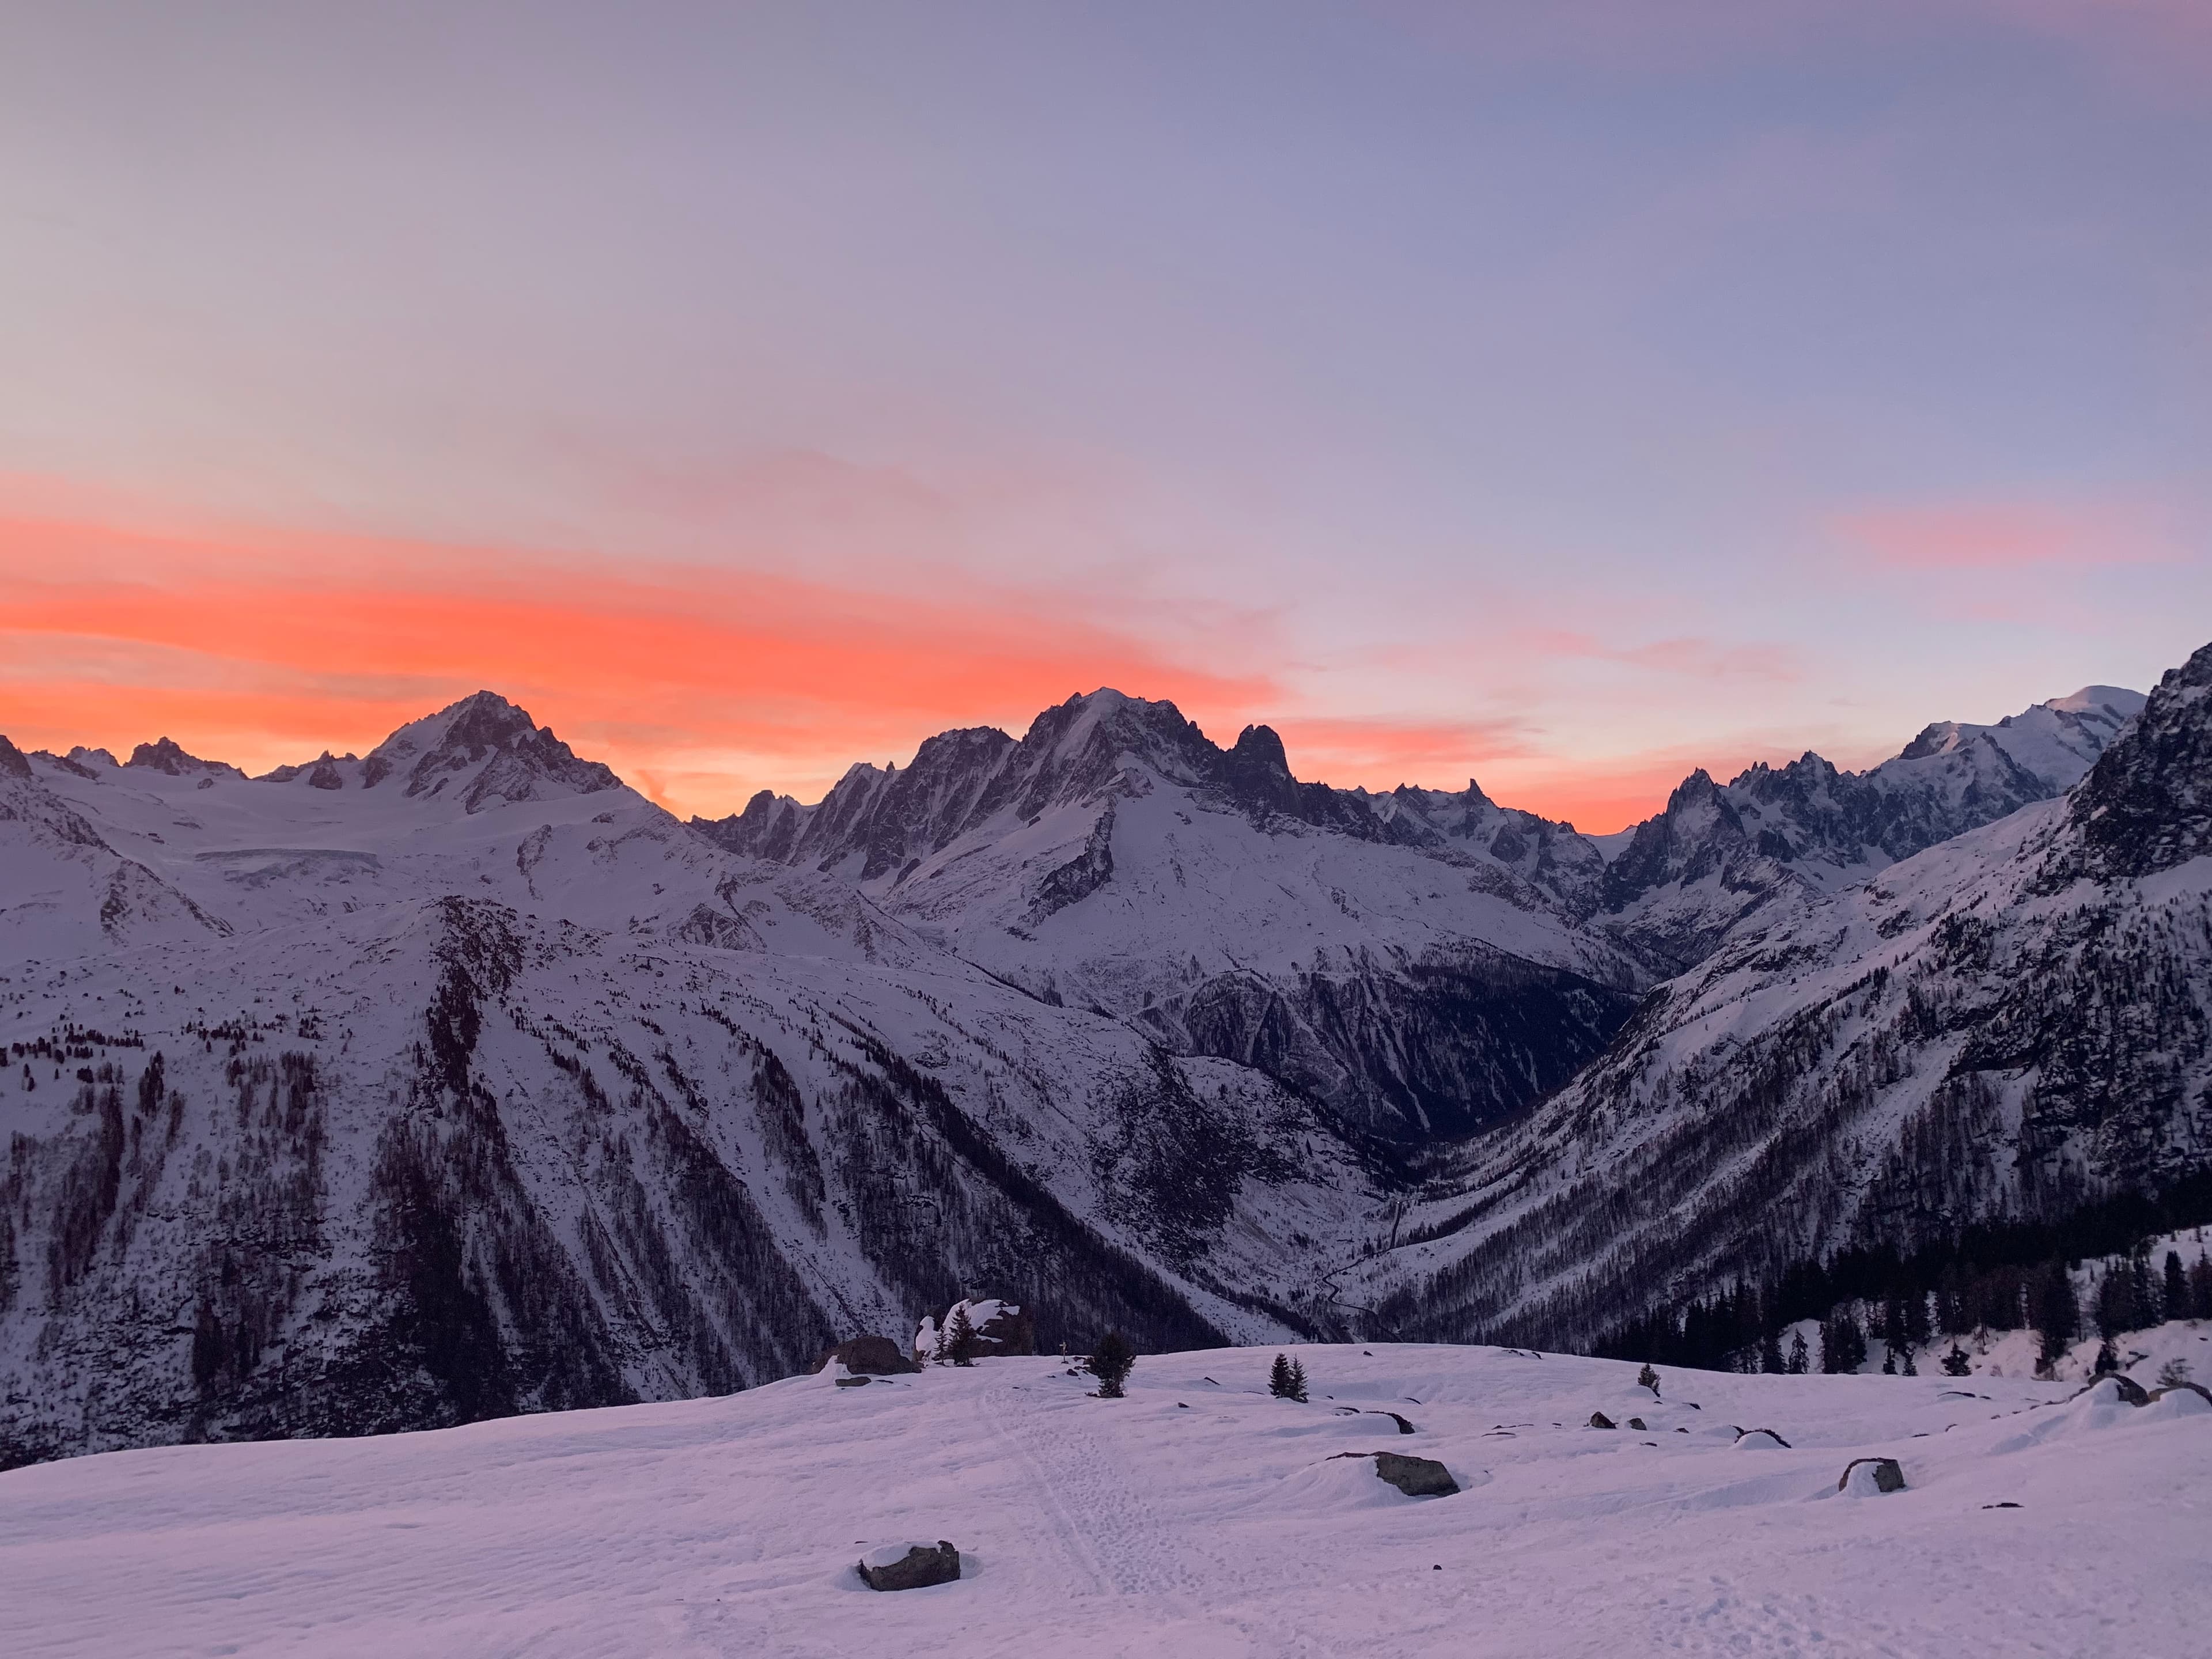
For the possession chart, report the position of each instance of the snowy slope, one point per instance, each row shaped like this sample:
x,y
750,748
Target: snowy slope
x,y
1198,1516
461,1080
2014,1022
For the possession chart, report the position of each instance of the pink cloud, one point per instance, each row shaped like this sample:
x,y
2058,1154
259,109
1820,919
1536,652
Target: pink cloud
x,y
2005,536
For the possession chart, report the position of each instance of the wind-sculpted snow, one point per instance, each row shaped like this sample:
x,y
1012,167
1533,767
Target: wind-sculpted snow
x,y
1986,1030
1197,1518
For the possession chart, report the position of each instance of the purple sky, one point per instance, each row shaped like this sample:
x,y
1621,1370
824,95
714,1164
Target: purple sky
x,y
1564,393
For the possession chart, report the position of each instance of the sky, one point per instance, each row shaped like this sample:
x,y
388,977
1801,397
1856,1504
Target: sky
x,y
1560,395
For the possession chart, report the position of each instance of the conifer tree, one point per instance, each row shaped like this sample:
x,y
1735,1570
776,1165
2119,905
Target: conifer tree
x,y
1279,1379
1298,1381
1910,1370
2107,1360
1799,1360
2176,1287
2056,1315
1956,1364
960,1344
1769,1353
1111,1361
2200,1289
1648,1378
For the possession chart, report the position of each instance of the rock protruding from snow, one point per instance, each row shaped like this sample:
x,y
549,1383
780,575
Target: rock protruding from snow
x,y
1416,1477
1002,1329
165,755
1868,1475
910,1566
867,1355
2118,1387
1599,1420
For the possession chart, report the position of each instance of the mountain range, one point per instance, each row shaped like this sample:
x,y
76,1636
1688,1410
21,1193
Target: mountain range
x,y
460,1079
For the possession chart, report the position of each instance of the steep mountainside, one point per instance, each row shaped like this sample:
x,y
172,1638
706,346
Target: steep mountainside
x,y
1416,960
460,1079
2011,1024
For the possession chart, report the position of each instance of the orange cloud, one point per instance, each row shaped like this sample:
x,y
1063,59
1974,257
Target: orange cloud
x,y
254,646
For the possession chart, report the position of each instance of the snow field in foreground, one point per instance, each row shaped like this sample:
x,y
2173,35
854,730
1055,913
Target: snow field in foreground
x,y
1196,1518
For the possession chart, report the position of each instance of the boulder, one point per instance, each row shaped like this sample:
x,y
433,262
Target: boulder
x,y
2198,1389
1599,1420
1416,1477
1637,1423
1887,1474
867,1356
1404,1427
910,1566
2125,1388
1756,1438
852,1381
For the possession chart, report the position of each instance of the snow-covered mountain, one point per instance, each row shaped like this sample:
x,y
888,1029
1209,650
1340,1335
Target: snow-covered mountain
x,y
2010,1024
1723,855
460,1079
1414,960
457,1079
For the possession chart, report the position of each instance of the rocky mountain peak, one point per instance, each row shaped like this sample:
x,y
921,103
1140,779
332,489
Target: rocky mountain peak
x,y
505,753
165,755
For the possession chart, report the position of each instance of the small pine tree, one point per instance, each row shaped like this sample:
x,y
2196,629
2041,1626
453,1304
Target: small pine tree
x,y
1287,1379
1112,1359
2173,1373
1889,1362
1956,1364
2176,1289
2056,1315
1648,1378
1843,1344
1770,1354
2108,1361
1801,1360
1910,1370
1298,1381
2200,1289
960,1344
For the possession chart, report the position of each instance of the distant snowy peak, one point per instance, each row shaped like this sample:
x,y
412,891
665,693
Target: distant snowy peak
x,y
2064,735
481,751
1722,855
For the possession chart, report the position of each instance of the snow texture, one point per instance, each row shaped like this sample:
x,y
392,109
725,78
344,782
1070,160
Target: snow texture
x,y
1197,1518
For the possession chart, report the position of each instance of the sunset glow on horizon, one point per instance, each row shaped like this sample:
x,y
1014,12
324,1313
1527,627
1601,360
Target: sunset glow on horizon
x,y
1563,398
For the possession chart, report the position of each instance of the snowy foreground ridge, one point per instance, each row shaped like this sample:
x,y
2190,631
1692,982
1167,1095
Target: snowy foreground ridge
x,y
1198,1516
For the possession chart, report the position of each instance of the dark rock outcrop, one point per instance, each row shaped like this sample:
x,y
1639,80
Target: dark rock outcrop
x,y
1416,1477
1888,1476
921,1566
867,1356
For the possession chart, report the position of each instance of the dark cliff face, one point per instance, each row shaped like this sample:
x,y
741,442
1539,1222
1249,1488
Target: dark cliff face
x,y
2146,804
